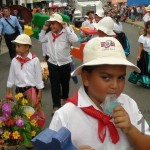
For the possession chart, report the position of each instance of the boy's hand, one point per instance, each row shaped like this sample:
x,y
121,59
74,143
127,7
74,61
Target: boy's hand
x,y
45,27
39,97
85,147
121,119
64,24
9,96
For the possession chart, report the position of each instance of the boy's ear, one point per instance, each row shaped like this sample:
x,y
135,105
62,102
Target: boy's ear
x,y
85,78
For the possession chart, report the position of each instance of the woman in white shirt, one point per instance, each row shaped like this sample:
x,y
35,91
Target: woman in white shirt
x,y
143,59
120,35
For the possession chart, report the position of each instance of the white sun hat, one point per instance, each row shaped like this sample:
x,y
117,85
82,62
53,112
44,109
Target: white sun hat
x,y
86,16
104,51
56,17
106,25
100,13
147,8
23,39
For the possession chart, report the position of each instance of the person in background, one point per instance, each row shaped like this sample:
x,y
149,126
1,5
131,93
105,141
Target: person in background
x,y
19,17
9,30
147,15
118,29
105,27
86,22
99,115
59,39
143,59
1,13
98,15
120,35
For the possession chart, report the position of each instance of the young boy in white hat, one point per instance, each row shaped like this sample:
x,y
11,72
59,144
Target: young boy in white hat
x,y
25,70
59,41
94,120
105,27
99,15
25,73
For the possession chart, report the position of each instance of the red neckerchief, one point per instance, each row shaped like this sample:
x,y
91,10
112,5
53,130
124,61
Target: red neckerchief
x,y
103,121
24,60
55,36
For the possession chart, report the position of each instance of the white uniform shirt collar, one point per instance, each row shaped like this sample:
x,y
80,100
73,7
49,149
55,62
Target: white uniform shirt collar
x,y
29,55
84,100
62,31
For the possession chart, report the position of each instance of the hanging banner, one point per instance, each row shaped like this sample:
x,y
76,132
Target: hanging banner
x,y
138,2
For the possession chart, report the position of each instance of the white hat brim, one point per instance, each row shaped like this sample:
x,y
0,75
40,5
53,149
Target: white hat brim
x,y
20,42
52,20
107,61
102,28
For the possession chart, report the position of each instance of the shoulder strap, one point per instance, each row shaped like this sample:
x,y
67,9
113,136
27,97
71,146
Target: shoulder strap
x,y
9,23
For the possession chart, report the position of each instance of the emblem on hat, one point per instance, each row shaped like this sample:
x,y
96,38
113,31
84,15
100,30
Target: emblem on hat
x,y
107,44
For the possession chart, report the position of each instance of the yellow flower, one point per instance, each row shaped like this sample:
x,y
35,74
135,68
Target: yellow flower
x,y
33,133
16,135
18,96
28,114
24,101
1,124
33,122
6,135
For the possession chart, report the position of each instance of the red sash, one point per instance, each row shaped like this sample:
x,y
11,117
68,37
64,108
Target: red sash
x,y
56,36
24,60
103,121
39,116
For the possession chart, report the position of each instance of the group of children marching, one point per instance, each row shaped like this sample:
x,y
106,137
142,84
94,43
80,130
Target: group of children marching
x,y
103,74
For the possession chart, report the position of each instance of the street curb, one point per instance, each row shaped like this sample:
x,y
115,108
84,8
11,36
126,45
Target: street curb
x,y
135,24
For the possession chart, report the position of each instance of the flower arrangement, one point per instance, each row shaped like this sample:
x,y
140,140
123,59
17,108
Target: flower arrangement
x,y
45,72
16,125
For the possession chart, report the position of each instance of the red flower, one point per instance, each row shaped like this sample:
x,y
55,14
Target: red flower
x,y
11,137
20,138
9,97
10,122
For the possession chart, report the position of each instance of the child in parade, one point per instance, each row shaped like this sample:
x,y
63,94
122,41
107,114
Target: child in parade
x,y
147,15
59,39
86,22
143,58
90,116
25,73
98,15
120,35
105,27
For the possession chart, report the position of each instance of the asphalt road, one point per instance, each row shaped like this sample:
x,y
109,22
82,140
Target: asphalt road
x,y
138,93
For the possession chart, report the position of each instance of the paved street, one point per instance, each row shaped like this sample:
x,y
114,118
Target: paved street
x,y
140,94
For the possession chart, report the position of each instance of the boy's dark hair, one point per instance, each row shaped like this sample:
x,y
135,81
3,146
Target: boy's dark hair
x,y
147,25
89,69
92,12
6,8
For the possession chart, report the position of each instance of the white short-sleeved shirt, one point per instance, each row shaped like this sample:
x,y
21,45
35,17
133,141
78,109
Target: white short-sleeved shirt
x,y
84,128
118,27
146,42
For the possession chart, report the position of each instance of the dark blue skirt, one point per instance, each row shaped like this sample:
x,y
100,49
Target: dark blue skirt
x,y
144,77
